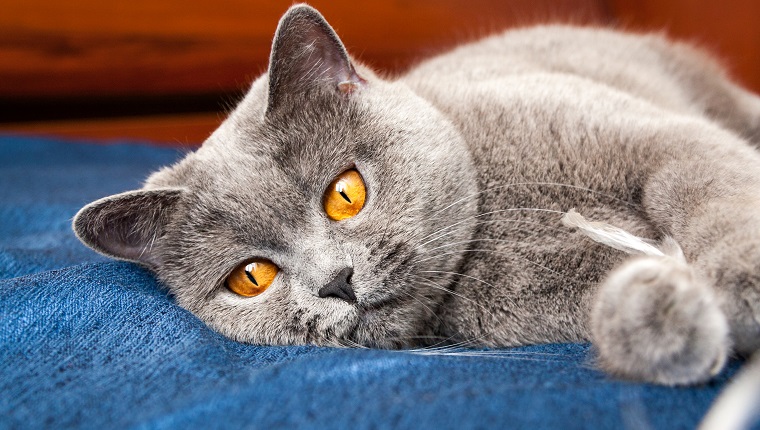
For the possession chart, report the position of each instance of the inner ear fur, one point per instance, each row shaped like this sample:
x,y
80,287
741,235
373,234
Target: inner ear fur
x,y
306,54
127,226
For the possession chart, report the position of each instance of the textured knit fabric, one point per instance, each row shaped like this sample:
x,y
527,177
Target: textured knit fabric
x,y
93,343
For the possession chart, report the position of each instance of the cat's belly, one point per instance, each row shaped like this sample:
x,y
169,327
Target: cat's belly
x,y
543,145
527,279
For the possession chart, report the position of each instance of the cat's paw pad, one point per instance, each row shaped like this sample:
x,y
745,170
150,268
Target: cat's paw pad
x,y
654,320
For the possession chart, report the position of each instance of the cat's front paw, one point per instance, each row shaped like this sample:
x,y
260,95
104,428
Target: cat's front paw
x,y
654,320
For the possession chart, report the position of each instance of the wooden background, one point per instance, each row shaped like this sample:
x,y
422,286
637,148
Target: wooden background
x,y
166,69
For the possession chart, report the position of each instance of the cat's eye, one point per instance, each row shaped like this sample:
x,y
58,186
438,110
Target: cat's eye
x,y
344,198
252,278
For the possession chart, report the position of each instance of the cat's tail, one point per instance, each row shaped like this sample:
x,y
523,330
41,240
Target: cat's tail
x,y
738,406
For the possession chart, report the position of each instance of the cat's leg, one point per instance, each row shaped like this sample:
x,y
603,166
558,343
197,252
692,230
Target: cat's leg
x,y
654,319
665,320
711,207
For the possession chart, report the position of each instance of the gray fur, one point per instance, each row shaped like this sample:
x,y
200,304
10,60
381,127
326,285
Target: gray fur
x,y
470,160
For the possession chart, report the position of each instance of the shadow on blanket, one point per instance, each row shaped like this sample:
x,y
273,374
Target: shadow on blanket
x,y
88,342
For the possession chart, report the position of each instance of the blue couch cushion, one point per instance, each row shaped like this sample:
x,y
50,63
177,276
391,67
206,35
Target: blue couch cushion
x,y
92,343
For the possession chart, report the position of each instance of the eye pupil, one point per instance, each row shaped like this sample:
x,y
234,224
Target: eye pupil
x,y
345,196
251,278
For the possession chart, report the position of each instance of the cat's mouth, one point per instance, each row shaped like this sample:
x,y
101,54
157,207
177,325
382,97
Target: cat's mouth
x,y
375,306
383,324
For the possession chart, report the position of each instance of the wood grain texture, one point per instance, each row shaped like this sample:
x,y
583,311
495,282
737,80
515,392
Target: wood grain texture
x,y
729,29
93,53
172,130
118,47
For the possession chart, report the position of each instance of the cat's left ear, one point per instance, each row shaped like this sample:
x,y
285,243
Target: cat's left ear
x,y
306,53
128,225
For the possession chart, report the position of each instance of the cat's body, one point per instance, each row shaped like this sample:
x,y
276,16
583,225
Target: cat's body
x,y
632,141
548,127
470,160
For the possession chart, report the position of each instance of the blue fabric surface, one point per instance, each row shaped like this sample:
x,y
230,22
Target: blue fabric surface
x,y
92,343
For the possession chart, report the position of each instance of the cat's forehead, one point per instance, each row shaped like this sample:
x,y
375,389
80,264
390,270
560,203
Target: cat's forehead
x,y
279,169
243,204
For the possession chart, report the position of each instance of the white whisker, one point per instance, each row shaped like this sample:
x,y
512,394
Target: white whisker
x,y
508,220
482,215
458,274
555,184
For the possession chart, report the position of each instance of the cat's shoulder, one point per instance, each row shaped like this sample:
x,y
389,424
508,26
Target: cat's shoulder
x,y
647,66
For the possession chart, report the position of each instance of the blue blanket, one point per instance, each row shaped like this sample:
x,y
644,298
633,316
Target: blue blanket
x,y
93,343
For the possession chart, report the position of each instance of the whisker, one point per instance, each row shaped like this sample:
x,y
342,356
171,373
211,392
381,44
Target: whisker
x,y
355,344
554,184
446,346
482,215
409,294
469,342
436,285
458,349
452,346
464,242
560,274
510,220
479,354
459,274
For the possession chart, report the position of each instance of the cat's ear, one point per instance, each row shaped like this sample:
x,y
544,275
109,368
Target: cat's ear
x,y
306,53
126,226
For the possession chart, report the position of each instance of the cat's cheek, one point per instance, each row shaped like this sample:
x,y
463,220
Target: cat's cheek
x,y
328,320
338,325
229,298
324,308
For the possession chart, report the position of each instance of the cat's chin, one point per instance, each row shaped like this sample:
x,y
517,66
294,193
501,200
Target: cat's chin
x,y
388,325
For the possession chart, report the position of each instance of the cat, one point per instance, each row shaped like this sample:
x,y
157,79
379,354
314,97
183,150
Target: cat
x,y
337,207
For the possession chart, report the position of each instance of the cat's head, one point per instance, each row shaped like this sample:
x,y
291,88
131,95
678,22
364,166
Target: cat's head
x,y
316,213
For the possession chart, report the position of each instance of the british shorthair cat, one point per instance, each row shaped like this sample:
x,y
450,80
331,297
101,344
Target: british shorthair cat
x,y
338,207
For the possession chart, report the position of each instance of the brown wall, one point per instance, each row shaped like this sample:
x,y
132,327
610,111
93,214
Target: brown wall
x,y
730,29
80,59
118,47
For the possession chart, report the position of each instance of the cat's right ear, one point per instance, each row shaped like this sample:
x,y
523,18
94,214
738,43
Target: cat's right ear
x,y
127,226
307,54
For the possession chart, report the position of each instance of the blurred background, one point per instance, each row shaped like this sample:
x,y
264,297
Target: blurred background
x,y
167,70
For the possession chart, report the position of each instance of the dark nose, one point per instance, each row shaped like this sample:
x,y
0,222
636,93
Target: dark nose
x,y
340,286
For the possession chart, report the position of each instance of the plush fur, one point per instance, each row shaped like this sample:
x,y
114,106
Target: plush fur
x,y
470,160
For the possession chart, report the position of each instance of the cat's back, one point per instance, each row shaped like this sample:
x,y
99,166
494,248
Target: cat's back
x,y
670,75
553,47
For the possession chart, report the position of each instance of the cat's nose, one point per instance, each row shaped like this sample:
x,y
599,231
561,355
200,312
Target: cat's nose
x,y
340,286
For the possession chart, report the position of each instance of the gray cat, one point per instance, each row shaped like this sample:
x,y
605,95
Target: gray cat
x,y
338,207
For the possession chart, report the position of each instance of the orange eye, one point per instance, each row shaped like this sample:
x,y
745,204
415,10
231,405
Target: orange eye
x,y
252,278
345,196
